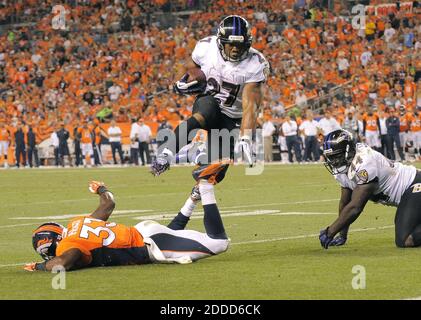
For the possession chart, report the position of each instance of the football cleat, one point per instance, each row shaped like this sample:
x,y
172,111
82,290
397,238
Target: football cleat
x,y
45,239
195,194
213,173
162,162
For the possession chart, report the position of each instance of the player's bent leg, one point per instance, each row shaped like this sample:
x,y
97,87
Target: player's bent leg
x,y
177,244
212,219
206,110
180,221
408,219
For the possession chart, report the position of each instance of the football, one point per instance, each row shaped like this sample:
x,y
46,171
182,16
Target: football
x,y
196,74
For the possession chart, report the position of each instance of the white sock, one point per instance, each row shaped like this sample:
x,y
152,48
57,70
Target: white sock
x,y
206,192
188,208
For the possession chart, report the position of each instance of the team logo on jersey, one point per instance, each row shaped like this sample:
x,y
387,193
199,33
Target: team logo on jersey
x,y
416,188
363,175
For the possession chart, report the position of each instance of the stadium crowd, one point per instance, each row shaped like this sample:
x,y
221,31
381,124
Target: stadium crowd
x,y
104,60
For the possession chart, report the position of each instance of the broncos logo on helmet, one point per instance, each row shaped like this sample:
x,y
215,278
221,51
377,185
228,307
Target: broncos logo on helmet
x,y
45,239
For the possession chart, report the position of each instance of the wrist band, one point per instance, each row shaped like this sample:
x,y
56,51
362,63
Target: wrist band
x,y
41,266
102,189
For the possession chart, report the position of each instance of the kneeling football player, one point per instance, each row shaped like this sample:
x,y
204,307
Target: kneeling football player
x,y
365,174
91,241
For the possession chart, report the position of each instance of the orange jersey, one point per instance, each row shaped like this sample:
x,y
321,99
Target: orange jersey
x,y
4,134
97,132
416,124
103,243
371,123
404,122
86,135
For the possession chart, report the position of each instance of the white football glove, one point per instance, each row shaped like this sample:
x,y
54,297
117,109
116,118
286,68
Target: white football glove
x,y
182,86
245,145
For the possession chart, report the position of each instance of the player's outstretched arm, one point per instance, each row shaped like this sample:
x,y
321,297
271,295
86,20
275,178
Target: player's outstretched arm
x,y
252,97
106,202
349,213
70,260
346,195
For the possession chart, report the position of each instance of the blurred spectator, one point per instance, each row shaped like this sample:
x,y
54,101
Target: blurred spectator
x,y
350,124
4,143
63,136
32,145
76,143
290,130
328,124
55,143
114,134
144,136
393,128
268,130
385,145
310,130
134,142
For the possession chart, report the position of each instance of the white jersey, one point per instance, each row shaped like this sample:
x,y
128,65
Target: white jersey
x,y
226,79
393,178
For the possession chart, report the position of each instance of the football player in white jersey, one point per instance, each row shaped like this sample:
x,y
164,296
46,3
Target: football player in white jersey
x,y
235,73
365,174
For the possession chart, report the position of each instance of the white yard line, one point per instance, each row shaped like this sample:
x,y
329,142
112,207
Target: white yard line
x,y
222,209
92,199
19,225
68,216
169,215
308,236
13,265
279,203
159,217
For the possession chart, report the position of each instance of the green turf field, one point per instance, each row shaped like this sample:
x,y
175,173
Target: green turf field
x,y
273,221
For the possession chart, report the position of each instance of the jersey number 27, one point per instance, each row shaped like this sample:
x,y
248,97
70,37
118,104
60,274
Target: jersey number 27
x,y
231,88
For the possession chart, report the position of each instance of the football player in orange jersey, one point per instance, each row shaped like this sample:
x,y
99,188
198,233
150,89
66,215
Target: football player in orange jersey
x,y
86,144
416,132
91,241
405,124
372,130
4,143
